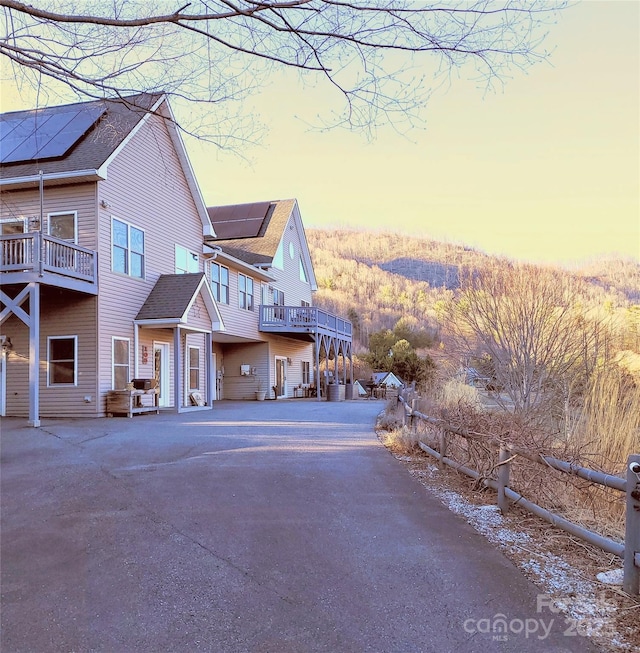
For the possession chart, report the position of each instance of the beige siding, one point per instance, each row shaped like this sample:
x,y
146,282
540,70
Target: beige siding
x,y
297,352
146,187
61,314
243,387
198,317
239,321
288,279
56,199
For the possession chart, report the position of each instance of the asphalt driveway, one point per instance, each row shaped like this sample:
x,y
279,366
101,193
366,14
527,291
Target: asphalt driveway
x,y
282,526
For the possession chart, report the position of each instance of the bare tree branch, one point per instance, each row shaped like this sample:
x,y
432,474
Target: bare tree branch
x,y
372,54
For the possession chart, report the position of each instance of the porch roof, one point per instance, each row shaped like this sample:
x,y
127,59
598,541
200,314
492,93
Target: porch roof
x,y
171,299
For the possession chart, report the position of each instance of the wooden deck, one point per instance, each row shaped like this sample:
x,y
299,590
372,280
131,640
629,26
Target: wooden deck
x,y
304,320
35,257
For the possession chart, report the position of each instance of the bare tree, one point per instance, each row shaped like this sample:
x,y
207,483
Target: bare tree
x,y
369,53
533,327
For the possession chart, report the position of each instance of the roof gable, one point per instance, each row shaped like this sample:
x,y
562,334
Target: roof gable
x,y
102,126
171,299
259,250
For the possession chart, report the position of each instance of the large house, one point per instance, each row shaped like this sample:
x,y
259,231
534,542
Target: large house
x,y
114,269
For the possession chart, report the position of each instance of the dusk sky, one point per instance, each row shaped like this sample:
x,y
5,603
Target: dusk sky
x,y
545,169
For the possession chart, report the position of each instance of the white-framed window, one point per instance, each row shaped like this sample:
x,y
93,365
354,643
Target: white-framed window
x,y
245,292
63,225
186,261
278,297
306,372
194,368
303,273
220,283
12,226
62,360
304,302
127,251
120,348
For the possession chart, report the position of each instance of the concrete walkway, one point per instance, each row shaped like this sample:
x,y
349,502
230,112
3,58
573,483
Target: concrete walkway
x,y
260,527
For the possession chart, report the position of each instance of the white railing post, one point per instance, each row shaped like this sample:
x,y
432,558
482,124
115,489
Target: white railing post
x,y
631,575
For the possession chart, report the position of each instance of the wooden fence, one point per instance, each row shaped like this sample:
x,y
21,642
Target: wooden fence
x,y
629,551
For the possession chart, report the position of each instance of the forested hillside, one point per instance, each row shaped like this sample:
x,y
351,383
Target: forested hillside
x,y
378,278
557,348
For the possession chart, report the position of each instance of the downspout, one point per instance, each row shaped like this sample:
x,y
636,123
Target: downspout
x,y
41,243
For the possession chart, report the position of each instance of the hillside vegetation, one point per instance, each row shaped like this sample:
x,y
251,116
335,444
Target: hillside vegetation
x,y
377,278
556,350
547,336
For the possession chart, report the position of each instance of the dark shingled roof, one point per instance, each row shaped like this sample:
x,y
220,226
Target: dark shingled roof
x,y
95,146
257,250
170,297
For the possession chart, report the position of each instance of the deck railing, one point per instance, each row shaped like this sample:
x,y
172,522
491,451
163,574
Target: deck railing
x,y
302,318
23,253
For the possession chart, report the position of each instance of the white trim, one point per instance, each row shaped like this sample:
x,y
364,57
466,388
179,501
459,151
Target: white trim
x,y
3,382
304,246
253,293
285,370
228,286
75,361
188,369
75,223
96,174
164,397
203,288
24,221
147,114
236,263
128,341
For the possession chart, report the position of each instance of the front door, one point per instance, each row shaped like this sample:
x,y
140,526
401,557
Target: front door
x,y
281,376
161,371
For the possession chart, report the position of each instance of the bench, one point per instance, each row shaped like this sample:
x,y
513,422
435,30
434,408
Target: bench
x,y
141,396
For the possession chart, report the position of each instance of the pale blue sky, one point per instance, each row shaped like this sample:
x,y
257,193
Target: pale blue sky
x,y
545,169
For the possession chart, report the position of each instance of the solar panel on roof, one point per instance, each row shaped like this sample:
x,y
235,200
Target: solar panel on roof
x,y
239,220
44,135
239,228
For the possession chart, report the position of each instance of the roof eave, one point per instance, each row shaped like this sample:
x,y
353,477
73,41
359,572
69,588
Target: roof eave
x,y
53,178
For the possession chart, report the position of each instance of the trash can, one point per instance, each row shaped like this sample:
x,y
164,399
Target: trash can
x,y
333,392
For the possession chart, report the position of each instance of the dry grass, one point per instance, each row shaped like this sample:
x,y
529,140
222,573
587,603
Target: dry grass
x,y
607,432
400,441
609,427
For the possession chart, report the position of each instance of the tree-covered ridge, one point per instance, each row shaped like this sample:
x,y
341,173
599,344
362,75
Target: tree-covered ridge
x,y
377,278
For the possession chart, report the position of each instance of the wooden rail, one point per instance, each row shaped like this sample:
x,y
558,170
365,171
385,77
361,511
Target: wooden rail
x,y
25,252
303,319
629,552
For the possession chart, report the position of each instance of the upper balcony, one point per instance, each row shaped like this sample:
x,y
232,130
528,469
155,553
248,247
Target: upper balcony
x,y
303,320
34,257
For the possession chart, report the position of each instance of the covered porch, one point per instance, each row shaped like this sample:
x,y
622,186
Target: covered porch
x,y
28,263
331,335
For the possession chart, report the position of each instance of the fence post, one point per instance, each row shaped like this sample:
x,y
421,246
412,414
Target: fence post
x,y
504,469
443,446
631,575
414,403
